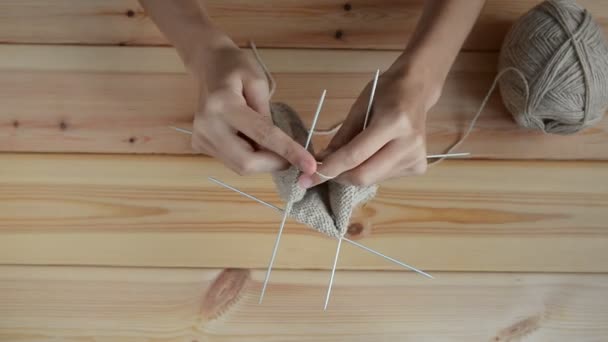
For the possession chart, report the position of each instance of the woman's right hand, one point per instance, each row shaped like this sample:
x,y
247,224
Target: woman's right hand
x,y
233,121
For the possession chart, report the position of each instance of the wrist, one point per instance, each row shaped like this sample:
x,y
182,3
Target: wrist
x,y
208,41
426,76
430,67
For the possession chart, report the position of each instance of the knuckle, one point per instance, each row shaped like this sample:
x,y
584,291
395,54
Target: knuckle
x,y
196,147
198,144
245,167
259,82
289,152
266,133
235,74
360,178
419,168
354,158
213,104
402,122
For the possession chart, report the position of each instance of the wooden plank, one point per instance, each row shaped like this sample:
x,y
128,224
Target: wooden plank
x,y
121,100
162,211
102,304
375,24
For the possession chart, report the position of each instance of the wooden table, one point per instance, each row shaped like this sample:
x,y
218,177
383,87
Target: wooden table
x,y
110,230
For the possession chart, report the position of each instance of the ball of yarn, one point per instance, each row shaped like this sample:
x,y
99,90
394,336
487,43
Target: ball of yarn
x,y
563,56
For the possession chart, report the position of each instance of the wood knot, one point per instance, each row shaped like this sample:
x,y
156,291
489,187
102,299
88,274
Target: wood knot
x,y
347,7
520,329
130,13
224,292
63,125
354,229
339,34
16,124
132,140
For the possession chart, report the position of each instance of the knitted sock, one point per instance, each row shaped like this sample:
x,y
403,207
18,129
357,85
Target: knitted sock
x,y
326,207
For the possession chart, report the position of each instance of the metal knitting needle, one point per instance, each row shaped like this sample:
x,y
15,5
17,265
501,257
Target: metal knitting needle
x,y
354,243
288,206
181,130
371,97
367,112
220,183
448,155
333,273
412,268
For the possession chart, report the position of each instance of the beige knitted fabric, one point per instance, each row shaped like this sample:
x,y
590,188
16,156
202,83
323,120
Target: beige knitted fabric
x,y
326,207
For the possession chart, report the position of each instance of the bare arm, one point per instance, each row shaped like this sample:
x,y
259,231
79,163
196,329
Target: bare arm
x,y
234,94
394,143
440,34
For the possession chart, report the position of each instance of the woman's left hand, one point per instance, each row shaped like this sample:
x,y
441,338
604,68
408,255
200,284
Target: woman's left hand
x,y
394,142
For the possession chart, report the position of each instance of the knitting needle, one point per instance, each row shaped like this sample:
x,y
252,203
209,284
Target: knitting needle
x,y
453,155
288,207
371,97
412,268
333,269
181,130
354,243
333,273
448,155
220,183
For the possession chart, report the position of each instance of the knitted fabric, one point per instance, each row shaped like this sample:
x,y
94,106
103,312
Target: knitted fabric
x,y
326,207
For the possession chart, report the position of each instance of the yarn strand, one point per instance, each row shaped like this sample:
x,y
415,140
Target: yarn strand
x,y
272,85
481,108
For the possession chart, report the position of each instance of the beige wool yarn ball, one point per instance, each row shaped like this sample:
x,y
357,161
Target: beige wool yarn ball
x,y
563,56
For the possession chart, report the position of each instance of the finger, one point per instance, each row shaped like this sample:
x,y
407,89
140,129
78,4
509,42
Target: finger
x,y
266,161
393,160
269,136
201,143
239,156
381,166
417,169
257,95
352,125
351,155
261,161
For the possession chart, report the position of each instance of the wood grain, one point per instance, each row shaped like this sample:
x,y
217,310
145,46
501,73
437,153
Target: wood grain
x,y
370,24
105,99
162,211
113,304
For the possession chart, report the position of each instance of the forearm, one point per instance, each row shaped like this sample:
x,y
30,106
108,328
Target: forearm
x,y
440,34
188,28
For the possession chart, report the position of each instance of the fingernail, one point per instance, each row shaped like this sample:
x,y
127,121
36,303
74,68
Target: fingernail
x,y
305,181
309,167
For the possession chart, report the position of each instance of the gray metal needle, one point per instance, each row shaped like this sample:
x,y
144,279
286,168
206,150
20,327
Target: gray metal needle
x,y
288,206
371,98
354,243
367,113
337,255
333,273
449,155
412,268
